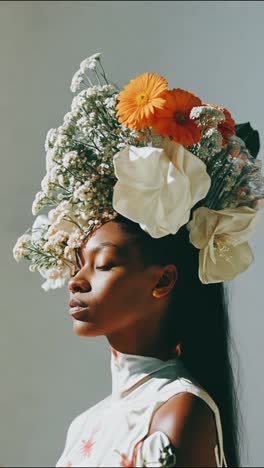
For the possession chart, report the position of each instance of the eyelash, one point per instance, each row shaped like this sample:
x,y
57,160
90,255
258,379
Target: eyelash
x,y
105,267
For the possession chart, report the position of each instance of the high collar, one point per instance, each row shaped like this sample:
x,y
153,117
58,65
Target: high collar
x,y
131,370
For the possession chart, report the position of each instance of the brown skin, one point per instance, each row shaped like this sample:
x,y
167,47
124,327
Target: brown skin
x,y
190,425
123,308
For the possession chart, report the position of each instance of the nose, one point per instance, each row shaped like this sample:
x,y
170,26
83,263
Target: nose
x,y
79,283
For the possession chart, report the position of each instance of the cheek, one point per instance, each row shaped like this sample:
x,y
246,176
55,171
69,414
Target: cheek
x,y
117,301
119,294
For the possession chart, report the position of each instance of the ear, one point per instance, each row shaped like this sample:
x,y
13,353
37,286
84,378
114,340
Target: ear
x,y
166,281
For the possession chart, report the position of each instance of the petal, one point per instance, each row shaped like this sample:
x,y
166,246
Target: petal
x,y
239,223
138,167
202,226
191,166
224,268
136,205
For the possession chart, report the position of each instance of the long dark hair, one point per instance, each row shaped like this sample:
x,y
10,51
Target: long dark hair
x,y
197,317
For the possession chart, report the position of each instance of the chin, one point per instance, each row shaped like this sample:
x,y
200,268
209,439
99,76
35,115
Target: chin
x,y
81,328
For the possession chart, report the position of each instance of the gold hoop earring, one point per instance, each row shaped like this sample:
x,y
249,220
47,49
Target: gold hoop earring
x,y
155,293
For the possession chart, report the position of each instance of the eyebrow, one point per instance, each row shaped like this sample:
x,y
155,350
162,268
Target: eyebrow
x,y
97,248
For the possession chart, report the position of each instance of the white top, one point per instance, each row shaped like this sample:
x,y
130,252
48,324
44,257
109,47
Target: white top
x,y
114,432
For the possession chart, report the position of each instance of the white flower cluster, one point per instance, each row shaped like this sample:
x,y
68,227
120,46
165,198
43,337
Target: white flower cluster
x,y
21,247
89,63
79,180
207,116
209,145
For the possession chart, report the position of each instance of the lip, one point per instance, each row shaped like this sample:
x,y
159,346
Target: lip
x,y
79,313
72,310
77,303
78,310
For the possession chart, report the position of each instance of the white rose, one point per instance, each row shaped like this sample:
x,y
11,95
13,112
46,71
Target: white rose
x,y
157,187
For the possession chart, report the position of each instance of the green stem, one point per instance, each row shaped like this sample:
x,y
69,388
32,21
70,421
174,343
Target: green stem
x,y
218,186
103,72
68,170
61,187
40,252
98,77
88,79
72,221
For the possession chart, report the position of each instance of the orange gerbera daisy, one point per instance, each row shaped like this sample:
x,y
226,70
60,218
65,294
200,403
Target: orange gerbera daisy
x,y
139,100
174,119
227,126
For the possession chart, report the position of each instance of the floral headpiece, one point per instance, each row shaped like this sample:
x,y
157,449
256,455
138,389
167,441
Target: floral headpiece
x,y
159,157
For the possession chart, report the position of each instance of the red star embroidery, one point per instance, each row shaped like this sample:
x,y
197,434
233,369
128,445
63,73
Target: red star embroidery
x,y
87,447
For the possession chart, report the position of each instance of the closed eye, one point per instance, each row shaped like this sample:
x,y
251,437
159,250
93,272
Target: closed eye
x,y
105,267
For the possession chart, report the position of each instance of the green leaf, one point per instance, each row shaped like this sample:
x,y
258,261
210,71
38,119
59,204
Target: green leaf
x,y
249,136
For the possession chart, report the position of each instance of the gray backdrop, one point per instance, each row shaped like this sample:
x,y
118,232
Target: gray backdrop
x,y
215,49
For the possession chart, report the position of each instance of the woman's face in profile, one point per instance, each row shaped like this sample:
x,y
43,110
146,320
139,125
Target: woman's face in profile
x,y
112,285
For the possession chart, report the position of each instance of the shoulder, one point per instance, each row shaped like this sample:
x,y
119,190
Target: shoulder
x,y
189,422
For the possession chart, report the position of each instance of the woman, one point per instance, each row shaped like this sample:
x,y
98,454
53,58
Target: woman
x,y
165,326
154,197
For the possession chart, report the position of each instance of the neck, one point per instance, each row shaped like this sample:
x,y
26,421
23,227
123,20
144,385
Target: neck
x,y
159,352
145,338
